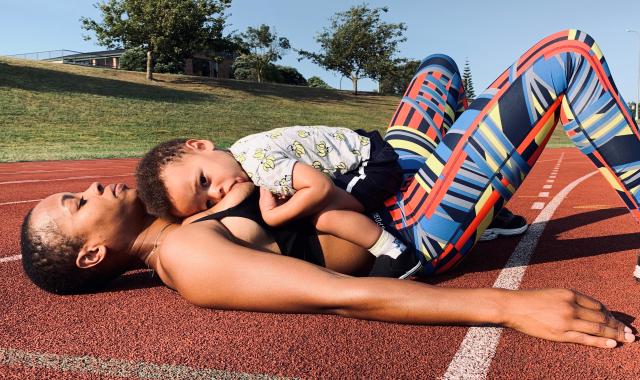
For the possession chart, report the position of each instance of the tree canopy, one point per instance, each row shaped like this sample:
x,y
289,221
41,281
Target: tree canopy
x,y
263,46
358,44
317,82
175,28
397,79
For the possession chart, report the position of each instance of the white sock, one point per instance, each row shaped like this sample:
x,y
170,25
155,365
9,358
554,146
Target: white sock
x,y
388,245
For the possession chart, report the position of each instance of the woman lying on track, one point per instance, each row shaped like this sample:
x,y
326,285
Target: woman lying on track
x,y
460,168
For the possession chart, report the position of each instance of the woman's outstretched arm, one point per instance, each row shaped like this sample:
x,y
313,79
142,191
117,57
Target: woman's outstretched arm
x,y
209,269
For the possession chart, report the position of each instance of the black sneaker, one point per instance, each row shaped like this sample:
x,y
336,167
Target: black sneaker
x,y
505,224
406,265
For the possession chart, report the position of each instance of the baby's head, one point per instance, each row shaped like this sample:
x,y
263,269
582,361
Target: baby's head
x,y
181,177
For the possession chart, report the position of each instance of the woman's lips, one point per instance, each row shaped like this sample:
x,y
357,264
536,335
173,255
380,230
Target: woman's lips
x,y
119,188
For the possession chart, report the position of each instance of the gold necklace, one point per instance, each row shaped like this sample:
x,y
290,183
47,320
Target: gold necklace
x,y
155,244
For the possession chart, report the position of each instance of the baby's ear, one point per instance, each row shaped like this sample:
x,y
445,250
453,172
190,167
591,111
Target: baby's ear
x,y
200,145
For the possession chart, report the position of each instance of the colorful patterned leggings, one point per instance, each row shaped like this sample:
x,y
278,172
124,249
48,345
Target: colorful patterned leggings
x,y
461,166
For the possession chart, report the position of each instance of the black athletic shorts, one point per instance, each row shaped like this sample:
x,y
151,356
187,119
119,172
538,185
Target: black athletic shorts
x,y
376,179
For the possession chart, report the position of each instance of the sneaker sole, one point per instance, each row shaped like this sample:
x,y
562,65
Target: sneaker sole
x,y
411,271
488,235
508,232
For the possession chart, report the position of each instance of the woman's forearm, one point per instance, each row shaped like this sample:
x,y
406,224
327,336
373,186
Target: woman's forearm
x,y
392,300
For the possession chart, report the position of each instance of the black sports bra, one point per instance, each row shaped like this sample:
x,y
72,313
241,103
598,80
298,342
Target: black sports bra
x,y
296,239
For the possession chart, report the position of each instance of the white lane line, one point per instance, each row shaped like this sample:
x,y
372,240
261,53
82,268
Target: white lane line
x,y
64,170
550,180
117,367
65,179
16,202
10,258
547,186
543,194
476,352
537,206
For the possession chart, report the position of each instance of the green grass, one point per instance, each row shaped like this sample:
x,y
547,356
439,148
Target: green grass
x,y
53,111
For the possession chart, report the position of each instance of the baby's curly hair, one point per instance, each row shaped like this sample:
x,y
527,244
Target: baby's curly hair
x,y
151,188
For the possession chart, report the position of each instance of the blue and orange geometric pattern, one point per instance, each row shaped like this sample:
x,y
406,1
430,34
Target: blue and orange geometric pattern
x,y
461,167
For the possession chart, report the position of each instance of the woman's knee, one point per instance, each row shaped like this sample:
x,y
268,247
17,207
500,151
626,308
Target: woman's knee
x,y
440,60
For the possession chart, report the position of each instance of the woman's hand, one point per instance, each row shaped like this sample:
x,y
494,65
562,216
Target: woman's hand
x,y
564,315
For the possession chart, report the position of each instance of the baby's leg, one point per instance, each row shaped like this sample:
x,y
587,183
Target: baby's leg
x,y
492,146
343,218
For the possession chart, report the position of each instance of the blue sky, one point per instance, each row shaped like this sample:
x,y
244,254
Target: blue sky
x,y
491,34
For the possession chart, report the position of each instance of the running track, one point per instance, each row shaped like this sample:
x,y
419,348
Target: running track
x,y
583,239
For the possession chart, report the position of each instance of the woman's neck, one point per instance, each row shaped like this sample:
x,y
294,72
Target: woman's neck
x,y
147,241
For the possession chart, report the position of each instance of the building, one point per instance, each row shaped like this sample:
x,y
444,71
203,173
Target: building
x,y
201,64
106,58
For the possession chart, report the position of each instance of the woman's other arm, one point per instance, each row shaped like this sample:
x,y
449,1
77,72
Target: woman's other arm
x,y
208,269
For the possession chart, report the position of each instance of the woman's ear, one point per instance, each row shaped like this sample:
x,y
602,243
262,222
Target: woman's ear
x,y
200,145
90,256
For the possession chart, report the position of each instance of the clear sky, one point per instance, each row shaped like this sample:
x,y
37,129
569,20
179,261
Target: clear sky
x,y
490,33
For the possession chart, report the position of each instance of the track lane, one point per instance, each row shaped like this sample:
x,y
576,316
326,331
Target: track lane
x,y
142,321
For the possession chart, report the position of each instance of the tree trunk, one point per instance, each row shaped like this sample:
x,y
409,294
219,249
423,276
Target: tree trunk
x,y
354,80
149,65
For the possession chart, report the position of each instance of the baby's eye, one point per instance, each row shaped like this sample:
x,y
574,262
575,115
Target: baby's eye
x,y
82,202
209,203
203,181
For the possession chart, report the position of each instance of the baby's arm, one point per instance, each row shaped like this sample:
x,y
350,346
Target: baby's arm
x,y
314,193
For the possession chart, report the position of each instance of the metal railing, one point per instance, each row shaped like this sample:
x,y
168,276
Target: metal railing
x,y
49,55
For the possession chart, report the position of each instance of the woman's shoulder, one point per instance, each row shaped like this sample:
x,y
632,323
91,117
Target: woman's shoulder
x,y
191,235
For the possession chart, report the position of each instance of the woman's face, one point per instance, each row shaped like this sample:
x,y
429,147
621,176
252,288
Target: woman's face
x,y
99,215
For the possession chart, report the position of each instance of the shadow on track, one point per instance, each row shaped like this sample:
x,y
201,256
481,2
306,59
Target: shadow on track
x,y
140,279
493,255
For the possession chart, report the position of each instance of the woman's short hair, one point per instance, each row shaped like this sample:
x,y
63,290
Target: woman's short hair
x,y
49,260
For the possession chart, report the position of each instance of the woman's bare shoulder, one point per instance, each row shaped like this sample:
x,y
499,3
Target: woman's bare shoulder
x,y
190,236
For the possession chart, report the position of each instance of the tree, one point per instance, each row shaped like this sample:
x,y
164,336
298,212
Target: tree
x,y
172,28
467,81
288,75
396,80
632,108
358,44
317,82
264,47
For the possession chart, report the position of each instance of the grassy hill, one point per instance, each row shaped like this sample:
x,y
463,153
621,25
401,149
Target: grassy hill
x,y
53,111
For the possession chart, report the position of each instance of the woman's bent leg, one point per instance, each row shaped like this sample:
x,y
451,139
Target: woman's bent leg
x,y
489,150
433,100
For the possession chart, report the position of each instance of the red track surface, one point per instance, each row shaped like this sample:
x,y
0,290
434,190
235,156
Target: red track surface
x,y
138,325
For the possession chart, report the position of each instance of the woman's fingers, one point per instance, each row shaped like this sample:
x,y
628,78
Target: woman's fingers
x,y
602,330
598,316
588,302
589,340
591,310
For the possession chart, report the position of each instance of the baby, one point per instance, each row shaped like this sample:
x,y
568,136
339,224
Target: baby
x,y
328,174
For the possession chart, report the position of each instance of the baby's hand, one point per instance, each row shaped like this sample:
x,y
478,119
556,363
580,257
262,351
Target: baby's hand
x,y
267,203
